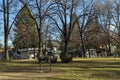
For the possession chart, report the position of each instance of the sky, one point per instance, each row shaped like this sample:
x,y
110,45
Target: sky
x,y
11,17
1,27
14,10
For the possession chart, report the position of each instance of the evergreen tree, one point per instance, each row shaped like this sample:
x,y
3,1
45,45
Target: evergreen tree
x,y
25,32
75,42
49,44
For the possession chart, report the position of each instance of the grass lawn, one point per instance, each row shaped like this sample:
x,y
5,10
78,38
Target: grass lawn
x,y
79,69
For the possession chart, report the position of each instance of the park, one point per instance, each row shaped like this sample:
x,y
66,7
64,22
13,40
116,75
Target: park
x,y
79,69
59,39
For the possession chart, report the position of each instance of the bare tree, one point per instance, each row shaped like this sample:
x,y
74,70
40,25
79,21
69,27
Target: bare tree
x,y
39,9
62,18
7,23
116,20
108,13
83,20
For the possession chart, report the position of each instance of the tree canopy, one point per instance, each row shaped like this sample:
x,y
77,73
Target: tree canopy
x,y
25,31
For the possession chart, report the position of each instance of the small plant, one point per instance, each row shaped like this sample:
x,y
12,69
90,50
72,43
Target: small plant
x,y
66,58
118,51
52,59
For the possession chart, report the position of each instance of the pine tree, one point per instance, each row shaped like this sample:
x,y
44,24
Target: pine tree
x,y
25,31
74,42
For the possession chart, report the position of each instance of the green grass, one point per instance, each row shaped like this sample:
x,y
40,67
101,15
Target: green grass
x,y
79,69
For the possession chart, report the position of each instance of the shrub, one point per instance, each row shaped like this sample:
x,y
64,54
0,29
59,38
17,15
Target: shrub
x,y
66,58
53,59
118,52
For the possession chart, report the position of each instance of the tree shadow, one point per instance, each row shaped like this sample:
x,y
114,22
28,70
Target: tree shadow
x,y
58,78
105,74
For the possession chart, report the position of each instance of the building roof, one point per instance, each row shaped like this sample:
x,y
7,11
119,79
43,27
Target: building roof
x,y
27,49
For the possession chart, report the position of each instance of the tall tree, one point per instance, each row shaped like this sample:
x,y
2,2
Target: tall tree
x,y
93,34
105,19
25,31
7,22
75,42
116,20
83,20
62,18
39,9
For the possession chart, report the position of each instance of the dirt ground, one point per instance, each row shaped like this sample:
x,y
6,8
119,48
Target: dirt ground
x,y
28,74
25,75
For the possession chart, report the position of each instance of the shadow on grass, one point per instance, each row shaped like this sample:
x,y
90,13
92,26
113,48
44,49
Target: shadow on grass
x,y
107,75
88,64
95,68
74,64
23,77
33,65
53,78
25,62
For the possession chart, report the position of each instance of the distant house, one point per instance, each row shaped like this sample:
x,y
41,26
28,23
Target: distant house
x,y
27,53
31,53
91,53
53,47
56,45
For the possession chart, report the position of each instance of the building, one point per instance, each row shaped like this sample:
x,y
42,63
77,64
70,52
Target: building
x,y
26,53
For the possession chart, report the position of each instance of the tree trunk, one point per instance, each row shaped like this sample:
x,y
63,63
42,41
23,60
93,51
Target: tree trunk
x,y
109,48
6,49
40,29
6,25
83,45
65,47
40,46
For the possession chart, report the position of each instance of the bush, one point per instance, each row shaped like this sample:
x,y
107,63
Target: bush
x,y
53,59
118,52
66,58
